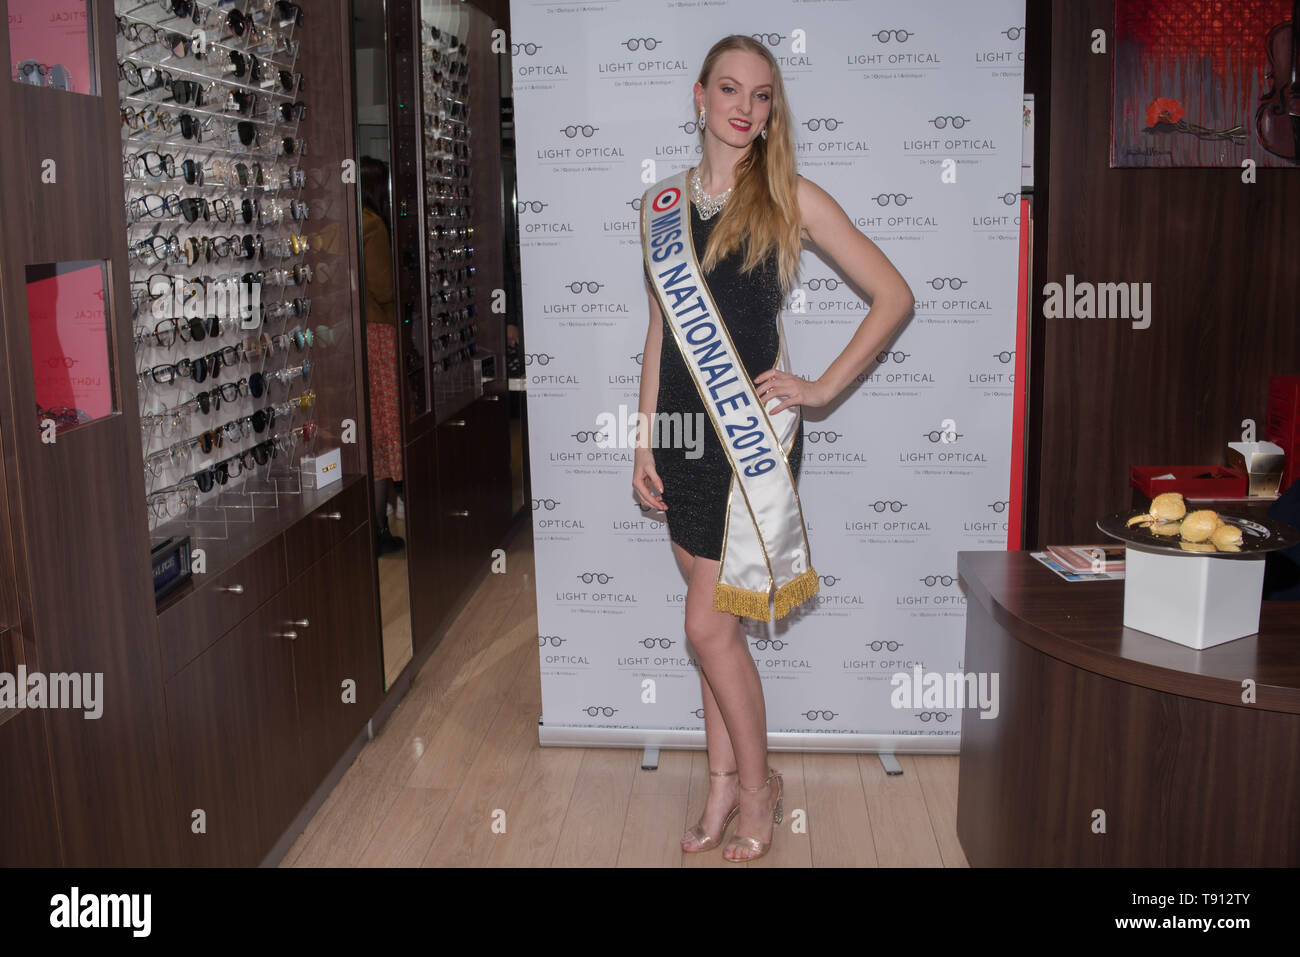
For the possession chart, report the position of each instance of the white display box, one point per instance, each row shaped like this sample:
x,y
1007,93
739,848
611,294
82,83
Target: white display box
x,y
1195,600
322,470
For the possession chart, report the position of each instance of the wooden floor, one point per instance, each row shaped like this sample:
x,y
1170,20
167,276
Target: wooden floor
x,y
456,777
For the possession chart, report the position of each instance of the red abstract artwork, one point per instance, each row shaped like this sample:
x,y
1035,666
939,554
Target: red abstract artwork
x,y
1205,83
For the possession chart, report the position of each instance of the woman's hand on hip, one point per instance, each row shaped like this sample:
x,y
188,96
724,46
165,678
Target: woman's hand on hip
x,y
645,480
792,390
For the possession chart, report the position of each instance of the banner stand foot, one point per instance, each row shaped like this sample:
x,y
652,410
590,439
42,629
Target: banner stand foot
x,y
650,759
890,763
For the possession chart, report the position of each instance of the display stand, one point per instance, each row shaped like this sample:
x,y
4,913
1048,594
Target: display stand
x,y
223,214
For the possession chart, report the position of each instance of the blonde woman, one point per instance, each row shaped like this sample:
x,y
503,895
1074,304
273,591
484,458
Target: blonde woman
x,y
749,212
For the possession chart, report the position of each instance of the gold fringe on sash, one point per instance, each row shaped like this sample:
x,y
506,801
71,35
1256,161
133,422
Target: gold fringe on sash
x,y
796,591
740,601
754,604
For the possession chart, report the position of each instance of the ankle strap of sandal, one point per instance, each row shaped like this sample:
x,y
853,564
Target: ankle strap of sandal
x,y
724,774
765,782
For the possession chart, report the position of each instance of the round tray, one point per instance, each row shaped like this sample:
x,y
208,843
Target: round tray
x,y
1257,536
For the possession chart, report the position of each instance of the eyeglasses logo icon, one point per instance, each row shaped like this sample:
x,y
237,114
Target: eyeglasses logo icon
x,y
902,36
999,507
636,43
1004,357
830,438
590,435
939,282
816,123
530,206
829,580
1013,33
591,287
596,711
940,435
771,39
824,715
893,506
937,715
816,284
661,642
932,580
541,358
941,122
892,356
691,127
585,129
1009,198
549,504
553,640
762,644
898,199
601,577
527,49
884,645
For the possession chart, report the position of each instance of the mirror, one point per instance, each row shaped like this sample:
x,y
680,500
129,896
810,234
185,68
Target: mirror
x,y
380,317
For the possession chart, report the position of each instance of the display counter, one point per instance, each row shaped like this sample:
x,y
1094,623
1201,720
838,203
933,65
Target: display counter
x,y
1112,747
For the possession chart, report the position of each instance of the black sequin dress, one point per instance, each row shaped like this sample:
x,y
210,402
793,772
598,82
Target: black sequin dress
x,y
695,490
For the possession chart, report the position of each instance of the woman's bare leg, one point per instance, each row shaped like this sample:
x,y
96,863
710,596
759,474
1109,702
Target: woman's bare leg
x,y
724,792
732,692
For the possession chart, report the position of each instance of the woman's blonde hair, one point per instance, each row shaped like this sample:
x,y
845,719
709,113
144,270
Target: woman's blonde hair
x,y
763,210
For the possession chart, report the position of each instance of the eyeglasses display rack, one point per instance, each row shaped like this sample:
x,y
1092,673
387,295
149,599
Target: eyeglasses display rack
x,y
461,149
449,229
222,237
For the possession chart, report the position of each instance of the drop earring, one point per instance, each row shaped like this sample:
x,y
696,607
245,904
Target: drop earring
x,y
701,121
763,132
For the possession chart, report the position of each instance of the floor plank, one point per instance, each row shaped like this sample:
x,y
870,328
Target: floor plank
x,y
456,777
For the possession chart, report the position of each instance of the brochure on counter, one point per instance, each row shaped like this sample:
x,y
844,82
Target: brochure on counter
x,y
1071,575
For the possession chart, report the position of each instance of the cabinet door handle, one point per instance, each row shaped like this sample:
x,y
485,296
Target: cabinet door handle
x,y
301,623
233,589
461,513
492,397
456,422
291,635
336,516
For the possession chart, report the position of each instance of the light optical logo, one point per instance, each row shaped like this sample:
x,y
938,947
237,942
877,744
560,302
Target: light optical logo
x,y
651,64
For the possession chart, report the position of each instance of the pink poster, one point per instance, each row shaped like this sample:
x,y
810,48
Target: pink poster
x,y
69,333
49,44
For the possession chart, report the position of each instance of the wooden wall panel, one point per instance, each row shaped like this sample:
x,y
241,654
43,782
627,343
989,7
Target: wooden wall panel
x,y
83,541
1216,252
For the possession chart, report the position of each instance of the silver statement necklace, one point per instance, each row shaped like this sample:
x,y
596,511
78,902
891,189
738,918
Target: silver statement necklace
x,y
707,205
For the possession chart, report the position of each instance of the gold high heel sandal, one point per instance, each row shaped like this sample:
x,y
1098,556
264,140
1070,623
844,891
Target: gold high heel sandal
x,y
704,842
756,847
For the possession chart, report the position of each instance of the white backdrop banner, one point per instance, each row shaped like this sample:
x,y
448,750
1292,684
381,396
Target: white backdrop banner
x,y
908,466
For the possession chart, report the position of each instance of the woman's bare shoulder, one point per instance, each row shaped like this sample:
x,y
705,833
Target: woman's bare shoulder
x,y
815,204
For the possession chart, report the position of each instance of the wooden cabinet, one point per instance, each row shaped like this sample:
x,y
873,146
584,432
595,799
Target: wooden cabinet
x,y
26,800
259,719
230,713
337,645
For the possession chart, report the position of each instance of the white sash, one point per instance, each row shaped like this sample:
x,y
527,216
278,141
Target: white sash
x,y
765,541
